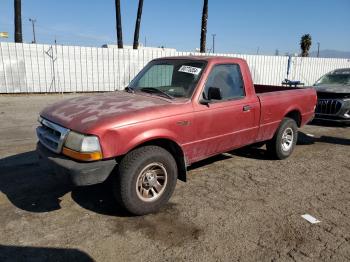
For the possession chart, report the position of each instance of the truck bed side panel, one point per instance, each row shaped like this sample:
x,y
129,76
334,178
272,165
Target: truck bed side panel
x,y
276,105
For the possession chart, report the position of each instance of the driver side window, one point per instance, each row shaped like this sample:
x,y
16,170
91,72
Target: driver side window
x,y
228,79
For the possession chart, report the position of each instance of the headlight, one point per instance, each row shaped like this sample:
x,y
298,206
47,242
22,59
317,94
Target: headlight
x,y
346,102
82,143
82,147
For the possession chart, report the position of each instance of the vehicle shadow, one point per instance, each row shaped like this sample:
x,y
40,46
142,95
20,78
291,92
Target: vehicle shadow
x,y
27,186
33,188
247,152
304,139
99,199
25,253
209,161
253,152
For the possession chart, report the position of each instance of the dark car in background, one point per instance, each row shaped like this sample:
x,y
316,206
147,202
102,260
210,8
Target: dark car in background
x,y
333,92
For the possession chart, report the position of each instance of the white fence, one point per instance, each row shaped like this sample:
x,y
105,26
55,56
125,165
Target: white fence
x,y
35,68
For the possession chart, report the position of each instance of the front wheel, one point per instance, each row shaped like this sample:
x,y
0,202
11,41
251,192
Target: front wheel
x,y
282,144
146,179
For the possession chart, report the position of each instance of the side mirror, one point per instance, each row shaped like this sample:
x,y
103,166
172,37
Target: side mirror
x,y
214,93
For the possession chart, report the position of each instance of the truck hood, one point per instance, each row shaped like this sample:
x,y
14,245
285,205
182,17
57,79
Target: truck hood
x,y
339,89
87,112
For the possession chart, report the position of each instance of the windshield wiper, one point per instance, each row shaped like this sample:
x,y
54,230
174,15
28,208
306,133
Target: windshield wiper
x,y
155,90
129,89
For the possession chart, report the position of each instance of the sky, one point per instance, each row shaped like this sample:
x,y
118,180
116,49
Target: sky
x,y
241,26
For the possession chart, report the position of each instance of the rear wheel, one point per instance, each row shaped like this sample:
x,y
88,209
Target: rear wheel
x,y
282,144
146,179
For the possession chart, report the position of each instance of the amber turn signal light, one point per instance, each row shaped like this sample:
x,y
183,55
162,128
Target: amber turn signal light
x,y
91,156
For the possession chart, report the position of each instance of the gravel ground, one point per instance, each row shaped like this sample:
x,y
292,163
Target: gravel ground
x,y
239,206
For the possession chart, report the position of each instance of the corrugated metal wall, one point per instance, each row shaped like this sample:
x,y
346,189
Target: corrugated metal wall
x,y
35,68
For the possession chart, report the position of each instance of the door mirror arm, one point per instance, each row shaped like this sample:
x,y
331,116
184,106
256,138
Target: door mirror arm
x,y
204,101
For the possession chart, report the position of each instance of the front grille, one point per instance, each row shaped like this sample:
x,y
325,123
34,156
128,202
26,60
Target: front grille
x,y
328,106
51,135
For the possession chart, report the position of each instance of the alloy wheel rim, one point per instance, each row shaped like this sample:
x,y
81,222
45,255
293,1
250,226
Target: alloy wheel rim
x,y
151,182
287,139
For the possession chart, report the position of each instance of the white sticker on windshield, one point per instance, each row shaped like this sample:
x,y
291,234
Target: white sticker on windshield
x,y
190,69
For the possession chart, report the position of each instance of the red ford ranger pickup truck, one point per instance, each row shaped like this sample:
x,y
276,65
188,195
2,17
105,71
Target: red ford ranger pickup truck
x,y
175,112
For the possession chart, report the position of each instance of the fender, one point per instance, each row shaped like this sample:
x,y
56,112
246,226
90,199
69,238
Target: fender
x,y
118,142
147,136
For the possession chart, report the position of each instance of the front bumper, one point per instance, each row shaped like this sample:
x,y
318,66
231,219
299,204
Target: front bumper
x,y
342,115
79,173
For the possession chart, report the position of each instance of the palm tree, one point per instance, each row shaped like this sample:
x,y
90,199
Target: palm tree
x,y
305,44
119,24
204,26
137,25
18,21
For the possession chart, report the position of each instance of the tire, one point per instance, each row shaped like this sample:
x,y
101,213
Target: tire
x,y
283,142
146,180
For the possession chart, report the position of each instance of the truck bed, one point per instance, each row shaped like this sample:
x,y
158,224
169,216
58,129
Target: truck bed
x,y
275,101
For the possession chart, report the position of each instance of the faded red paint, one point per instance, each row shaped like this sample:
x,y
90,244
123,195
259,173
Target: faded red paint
x,y
123,121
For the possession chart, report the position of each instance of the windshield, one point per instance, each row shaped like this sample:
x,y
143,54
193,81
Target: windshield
x,y
341,77
170,78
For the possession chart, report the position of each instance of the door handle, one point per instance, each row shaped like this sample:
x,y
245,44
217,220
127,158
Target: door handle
x,y
246,108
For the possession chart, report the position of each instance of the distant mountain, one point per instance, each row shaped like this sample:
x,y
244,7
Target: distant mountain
x,y
331,54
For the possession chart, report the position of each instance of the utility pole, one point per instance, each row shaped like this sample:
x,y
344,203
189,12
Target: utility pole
x,y
18,21
119,24
137,25
204,27
318,49
33,26
213,35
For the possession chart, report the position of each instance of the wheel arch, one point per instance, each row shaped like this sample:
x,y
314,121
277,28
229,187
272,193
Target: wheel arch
x,y
172,147
295,115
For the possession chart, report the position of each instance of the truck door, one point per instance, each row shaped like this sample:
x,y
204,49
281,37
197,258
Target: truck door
x,y
226,123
